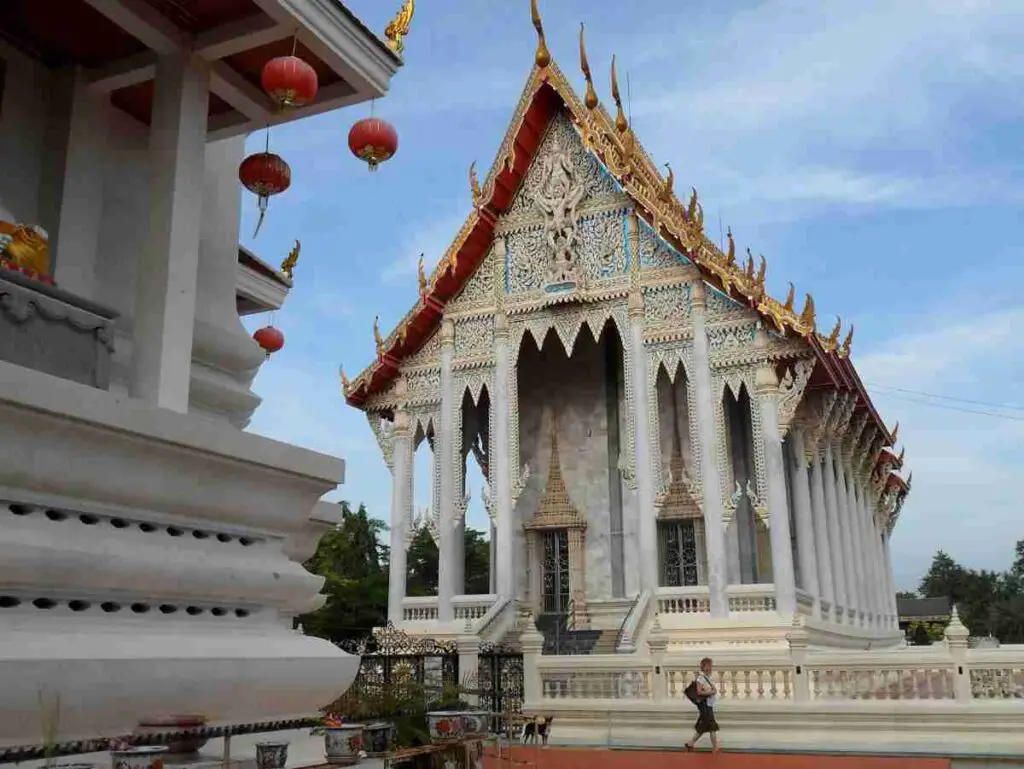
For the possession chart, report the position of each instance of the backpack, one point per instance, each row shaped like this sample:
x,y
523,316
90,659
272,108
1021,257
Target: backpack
x,y
692,695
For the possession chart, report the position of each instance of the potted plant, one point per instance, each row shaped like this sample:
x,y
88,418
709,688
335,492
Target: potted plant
x,y
451,717
343,740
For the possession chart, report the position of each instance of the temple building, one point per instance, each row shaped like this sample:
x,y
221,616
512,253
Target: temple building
x,y
151,550
660,437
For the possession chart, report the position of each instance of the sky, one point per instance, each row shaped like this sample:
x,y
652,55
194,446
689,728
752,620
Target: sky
x,y
871,150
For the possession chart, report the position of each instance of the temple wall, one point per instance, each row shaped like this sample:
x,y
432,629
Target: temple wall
x,y
575,391
22,129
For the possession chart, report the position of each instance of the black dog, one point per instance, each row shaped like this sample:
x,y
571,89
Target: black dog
x,y
537,727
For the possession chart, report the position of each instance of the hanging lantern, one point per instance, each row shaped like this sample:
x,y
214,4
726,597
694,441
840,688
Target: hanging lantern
x,y
270,339
373,140
264,174
289,81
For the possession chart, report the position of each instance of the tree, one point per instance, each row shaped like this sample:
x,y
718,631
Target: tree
x,y
423,557
352,561
907,594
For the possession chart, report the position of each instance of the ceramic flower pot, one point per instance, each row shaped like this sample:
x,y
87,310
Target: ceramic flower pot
x,y
271,755
180,745
344,744
377,739
456,725
147,757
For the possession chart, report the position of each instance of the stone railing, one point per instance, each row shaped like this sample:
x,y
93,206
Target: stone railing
x,y
419,609
472,607
694,600
683,600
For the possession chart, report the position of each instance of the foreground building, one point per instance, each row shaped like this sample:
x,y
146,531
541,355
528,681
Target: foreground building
x,y
677,463
150,551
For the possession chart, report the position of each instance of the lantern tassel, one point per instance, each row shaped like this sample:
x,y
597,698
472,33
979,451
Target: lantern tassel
x,y
263,212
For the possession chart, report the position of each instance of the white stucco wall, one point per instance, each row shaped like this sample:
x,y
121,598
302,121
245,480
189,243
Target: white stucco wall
x,y
22,123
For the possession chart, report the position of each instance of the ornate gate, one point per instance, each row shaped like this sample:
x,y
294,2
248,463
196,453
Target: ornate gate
x,y
399,665
500,682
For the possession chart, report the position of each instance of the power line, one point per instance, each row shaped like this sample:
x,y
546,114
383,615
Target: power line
x,y
989,404
947,407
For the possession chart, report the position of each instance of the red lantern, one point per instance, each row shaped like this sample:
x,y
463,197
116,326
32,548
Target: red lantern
x,y
289,81
270,339
373,140
264,174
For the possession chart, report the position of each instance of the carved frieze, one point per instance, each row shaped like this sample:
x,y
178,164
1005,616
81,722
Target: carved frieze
x,y
478,295
791,391
474,338
667,310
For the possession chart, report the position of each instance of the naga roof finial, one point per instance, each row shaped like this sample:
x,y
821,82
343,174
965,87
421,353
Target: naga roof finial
x,y
474,185
761,271
345,384
844,350
833,337
895,433
749,268
807,317
422,275
543,56
398,27
377,338
288,265
590,99
790,298
666,191
621,124
730,257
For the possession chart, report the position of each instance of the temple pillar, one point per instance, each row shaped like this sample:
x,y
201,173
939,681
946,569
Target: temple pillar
x,y
894,615
859,560
445,456
879,579
500,466
712,503
822,547
802,508
852,605
836,540
766,389
165,284
401,510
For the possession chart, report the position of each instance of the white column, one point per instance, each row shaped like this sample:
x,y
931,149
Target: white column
x,y
766,388
837,551
714,509
846,534
823,549
71,196
165,283
894,619
642,455
401,512
445,456
858,537
878,573
804,518
500,466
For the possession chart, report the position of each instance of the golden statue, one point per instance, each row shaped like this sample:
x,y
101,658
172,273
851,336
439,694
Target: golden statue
x,y
474,185
422,276
377,338
398,27
543,56
288,265
845,348
590,99
25,248
790,298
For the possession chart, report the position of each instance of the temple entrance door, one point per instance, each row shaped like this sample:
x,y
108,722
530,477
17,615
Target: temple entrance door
x,y
680,550
556,594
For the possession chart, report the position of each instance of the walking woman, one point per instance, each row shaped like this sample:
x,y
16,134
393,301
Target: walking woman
x,y
705,701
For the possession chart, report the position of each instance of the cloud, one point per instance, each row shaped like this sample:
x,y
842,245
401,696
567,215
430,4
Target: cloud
x,y
962,461
431,239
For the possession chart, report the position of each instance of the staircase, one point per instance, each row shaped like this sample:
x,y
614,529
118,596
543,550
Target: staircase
x,y
559,639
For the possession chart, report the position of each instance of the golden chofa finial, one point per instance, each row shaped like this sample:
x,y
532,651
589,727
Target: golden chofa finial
x,y
730,256
790,298
807,317
749,268
422,274
398,27
543,56
903,453
621,124
910,480
345,384
844,349
474,185
288,265
895,433
666,191
377,338
694,211
761,271
590,99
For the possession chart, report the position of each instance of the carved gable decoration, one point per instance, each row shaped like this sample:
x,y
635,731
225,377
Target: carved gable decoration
x,y
428,355
478,293
566,226
655,253
555,510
